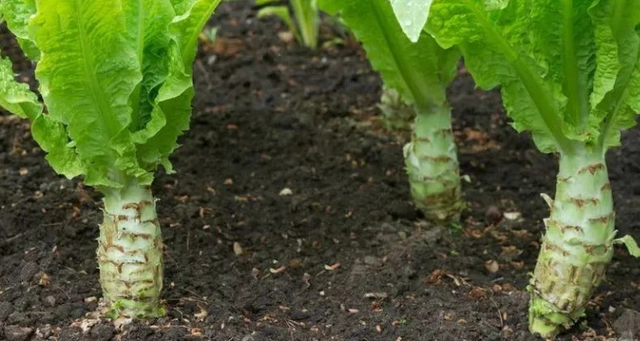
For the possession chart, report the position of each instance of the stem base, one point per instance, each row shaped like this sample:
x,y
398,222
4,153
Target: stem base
x,y
130,253
431,161
577,245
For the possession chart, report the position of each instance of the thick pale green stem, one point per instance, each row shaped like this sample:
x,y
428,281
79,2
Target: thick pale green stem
x,y
432,165
577,245
130,252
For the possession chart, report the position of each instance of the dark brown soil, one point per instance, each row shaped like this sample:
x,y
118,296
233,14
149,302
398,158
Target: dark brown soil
x,y
346,256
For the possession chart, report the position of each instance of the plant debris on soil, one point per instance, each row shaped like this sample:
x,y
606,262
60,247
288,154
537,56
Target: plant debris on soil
x,y
289,217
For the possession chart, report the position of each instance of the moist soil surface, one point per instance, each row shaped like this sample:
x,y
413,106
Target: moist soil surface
x,y
289,217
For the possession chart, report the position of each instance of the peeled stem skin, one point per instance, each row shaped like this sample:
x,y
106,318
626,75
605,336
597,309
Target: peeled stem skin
x,y
130,252
577,245
431,162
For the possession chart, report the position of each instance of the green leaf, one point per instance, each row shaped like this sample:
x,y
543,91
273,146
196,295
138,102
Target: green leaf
x,y
188,24
331,7
16,97
493,5
500,48
616,94
266,2
631,245
116,78
412,16
53,138
173,106
17,14
173,101
419,71
87,72
580,94
147,23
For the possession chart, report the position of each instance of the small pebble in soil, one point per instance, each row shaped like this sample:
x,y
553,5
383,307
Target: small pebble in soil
x,y
102,332
91,306
492,266
50,300
285,192
492,215
190,307
44,331
77,313
28,271
73,333
628,324
63,310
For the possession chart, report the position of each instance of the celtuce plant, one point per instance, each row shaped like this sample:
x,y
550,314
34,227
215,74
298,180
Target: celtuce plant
x,y
570,74
116,80
420,72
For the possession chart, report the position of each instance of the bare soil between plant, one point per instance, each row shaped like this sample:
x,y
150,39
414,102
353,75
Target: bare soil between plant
x,y
289,217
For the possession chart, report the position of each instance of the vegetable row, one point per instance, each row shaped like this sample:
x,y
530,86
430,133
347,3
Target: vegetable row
x,y
115,91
